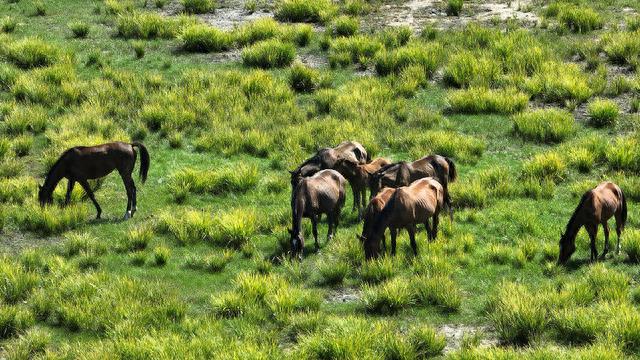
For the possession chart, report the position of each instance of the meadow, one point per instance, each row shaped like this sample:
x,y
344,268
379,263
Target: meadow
x,y
533,117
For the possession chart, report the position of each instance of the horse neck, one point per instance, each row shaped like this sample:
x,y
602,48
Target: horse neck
x,y
573,226
53,177
297,209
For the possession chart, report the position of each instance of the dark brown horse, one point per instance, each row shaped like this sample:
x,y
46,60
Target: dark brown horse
x,y
326,158
322,193
370,215
409,206
82,163
358,176
403,173
596,207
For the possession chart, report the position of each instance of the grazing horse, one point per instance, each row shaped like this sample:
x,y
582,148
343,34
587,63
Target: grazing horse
x,y
409,206
322,193
596,207
371,213
403,173
326,158
358,176
82,163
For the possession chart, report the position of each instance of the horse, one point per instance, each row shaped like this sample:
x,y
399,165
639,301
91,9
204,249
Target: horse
x,y
371,212
403,173
82,163
326,158
322,193
596,207
408,206
358,177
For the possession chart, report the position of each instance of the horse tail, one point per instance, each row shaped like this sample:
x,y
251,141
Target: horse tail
x,y
624,209
144,160
453,173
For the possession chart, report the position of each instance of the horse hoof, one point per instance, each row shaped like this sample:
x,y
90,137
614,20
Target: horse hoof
x,y
127,215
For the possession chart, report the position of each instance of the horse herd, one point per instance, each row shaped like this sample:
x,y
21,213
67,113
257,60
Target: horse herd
x,y
403,194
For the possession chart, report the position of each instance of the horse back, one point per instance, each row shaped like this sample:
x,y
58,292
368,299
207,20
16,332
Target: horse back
x,y
607,200
324,191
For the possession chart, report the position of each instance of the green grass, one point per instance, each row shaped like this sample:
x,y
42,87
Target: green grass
x,y
202,38
602,112
552,125
198,6
268,54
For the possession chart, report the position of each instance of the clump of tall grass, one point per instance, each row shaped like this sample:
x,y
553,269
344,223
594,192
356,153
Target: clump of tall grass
x,y
621,47
16,190
388,297
51,219
428,56
139,48
304,11
39,8
546,125
482,101
32,52
8,24
161,255
546,166
213,263
577,325
378,270
359,49
303,78
137,238
439,291
426,342
198,6
257,30
469,195
343,26
83,243
396,36
203,38
631,245
559,82
518,315
467,68
454,7
333,271
238,179
16,284
623,153
602,112
269,54
79,29
147,25
32,344
580,19
14,320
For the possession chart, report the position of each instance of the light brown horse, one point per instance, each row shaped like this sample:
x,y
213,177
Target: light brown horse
x,y
322,193
358,176
82,163
326,158
409,206
403,173
596,207
371,213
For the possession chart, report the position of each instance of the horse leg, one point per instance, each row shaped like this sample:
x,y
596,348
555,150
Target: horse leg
x,y
314,229
394,234
87,189
618,232
592,230
605,228
448,203
427,227
356,197
129,187
412,239
434,228
70,185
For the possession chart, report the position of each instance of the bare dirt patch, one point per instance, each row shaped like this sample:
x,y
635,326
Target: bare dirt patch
x,y
454,333
15,242
228,14
343,295
418,13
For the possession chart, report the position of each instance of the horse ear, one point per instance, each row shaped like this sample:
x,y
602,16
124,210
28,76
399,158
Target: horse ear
x,y
291,172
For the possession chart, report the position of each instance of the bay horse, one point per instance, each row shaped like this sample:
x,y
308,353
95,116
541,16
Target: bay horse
x,y
326,158
358,176
322,193
408,206
82,163
370,214
404,173
596,207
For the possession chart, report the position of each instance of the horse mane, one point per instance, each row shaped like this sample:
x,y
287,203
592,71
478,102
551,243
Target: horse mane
x,y
574,216
57,163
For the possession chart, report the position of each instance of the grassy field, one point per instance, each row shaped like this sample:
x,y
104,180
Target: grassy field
x,y
533,116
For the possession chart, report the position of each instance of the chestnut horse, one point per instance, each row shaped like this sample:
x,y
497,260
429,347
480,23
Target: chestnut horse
x,y
326,158
322,193
358,176
403,173
409,206
82,163
596,207
371,213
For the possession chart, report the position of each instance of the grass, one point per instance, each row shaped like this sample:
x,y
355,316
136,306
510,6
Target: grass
x,y
454,7
32,53
304,11
549,125
268,54
202,38
198,6
518,316
79,29
303,78
483,101
603,112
